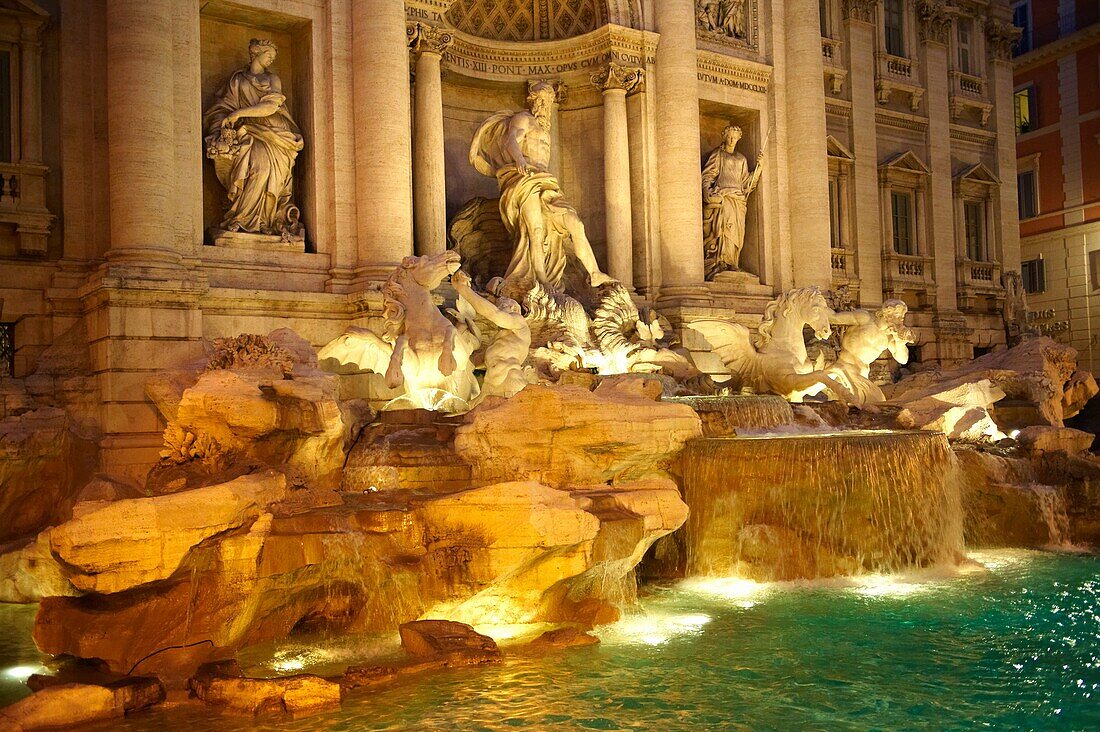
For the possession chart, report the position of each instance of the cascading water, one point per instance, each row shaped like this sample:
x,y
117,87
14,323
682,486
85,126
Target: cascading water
x,y
1052,507
804,506
724,415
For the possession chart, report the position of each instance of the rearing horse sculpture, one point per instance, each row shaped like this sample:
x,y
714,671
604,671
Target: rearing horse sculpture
x,y
777,363
420,349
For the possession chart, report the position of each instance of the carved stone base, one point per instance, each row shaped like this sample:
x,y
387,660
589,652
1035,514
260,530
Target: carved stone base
x,y
264,242
741,283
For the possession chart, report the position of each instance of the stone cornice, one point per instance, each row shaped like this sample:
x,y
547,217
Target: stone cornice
x,y
730,71
969,134
901,121
1050,51
616,76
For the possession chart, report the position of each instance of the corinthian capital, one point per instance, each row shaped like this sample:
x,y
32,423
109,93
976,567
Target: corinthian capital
x,y
935,23
423,38
1001,37
862,10
614,76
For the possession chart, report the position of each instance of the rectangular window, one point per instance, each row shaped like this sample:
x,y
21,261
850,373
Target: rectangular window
x,y
901,207
1021,18
962,37
1033,273
1027,194
1094,268
1023,103
894,24
974,221
823,13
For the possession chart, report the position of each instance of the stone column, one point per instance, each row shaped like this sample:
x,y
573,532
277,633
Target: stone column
x,y
383,142
1000,35
615,81
808,200
429,171
869,238
679,176
939,208
140,123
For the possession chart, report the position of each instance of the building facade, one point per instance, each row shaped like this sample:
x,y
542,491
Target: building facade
x,y
1057,102
883,131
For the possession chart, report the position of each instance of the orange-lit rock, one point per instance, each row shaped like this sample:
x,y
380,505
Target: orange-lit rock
x,y
456,644
569,436
132,542
1038,370
294,695
43,464
1042,439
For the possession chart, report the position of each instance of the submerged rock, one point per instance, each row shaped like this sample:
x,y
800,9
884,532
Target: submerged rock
x,y
294,695
454,644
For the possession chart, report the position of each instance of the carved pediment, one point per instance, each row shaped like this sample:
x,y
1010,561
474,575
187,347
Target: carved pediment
x,y
837,150
977,173
906,162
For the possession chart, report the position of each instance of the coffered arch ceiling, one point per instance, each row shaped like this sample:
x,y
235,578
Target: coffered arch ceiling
x,y
534,20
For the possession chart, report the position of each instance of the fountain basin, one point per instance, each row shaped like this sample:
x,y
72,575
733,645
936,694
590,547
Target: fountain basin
x,y
783,507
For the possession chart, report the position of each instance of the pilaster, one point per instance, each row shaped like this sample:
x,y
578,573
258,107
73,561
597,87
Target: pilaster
x,y
868,217
428,45
615,82
383,139
941,218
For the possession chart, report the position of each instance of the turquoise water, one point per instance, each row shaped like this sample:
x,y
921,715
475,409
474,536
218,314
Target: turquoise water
x,y
1017,647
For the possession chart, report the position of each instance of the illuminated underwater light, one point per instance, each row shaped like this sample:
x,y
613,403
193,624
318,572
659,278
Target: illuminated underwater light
x,y
652,629
22,673
731,588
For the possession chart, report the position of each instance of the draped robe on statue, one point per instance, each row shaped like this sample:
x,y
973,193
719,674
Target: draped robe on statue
x,y
258,176
725,175
489,157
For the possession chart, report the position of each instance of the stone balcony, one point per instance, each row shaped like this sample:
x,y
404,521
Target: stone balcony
x,y
23,203
969,95
978,283
912,272
844,264
897,74
835,72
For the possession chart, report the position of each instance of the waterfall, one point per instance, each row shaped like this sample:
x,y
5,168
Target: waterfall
x,y
1052,506
724,415
804,506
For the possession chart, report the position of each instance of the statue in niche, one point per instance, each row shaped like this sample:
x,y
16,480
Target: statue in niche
x,y
254,143
866,337
723,17
1014,311
545,230
727,185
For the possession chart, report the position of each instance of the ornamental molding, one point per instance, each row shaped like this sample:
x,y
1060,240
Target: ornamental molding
x,y
574,58
1001,38
729,71
424,38
616,76
972,136
934,20
901,121
861,10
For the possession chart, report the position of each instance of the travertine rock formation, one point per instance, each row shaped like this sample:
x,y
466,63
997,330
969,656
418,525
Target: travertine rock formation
x,y
568,436
43,465
1038,370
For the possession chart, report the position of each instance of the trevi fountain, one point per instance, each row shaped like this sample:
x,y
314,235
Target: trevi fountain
x,y
556,507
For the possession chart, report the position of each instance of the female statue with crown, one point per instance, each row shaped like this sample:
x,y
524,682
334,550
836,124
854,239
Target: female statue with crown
x,y
254,143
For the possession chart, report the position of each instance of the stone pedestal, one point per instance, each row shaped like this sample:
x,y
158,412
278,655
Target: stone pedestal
x,y
263,242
